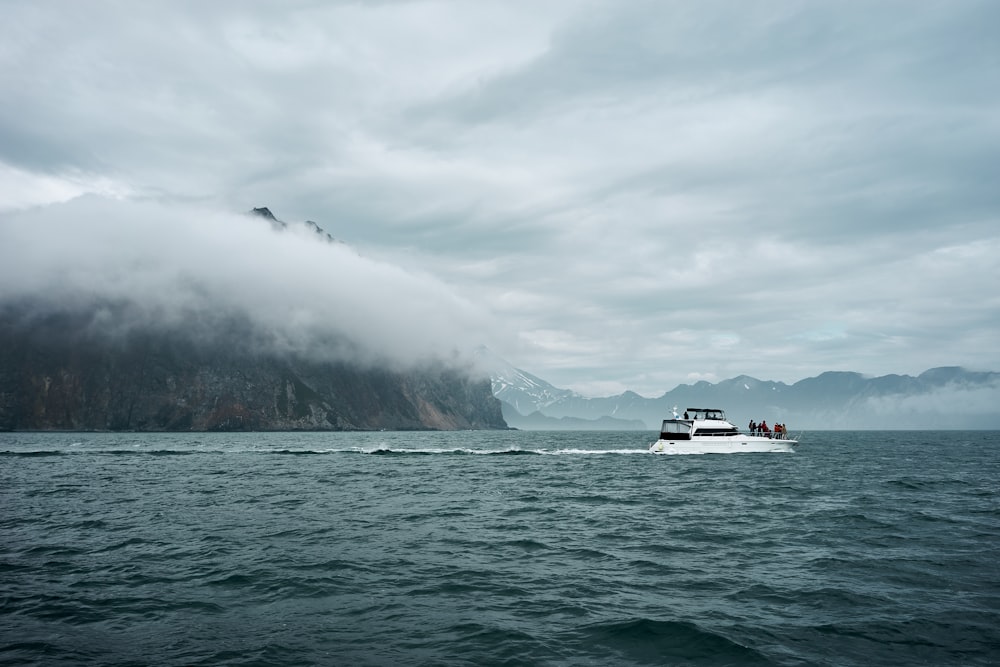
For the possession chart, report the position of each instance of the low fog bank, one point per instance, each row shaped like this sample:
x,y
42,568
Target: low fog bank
x,y
117,267
953,406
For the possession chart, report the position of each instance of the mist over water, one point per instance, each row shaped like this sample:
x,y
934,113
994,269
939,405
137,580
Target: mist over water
x,y
497,548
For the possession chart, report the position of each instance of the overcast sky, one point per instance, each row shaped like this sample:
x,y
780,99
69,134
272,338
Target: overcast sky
x,y
612,195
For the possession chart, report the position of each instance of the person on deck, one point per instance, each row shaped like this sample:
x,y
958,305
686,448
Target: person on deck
x,y
752,427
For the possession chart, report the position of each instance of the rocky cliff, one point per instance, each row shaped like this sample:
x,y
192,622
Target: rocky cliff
x,y
57,373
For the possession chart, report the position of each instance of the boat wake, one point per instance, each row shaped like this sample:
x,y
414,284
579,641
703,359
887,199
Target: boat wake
x,y
379,450
465,451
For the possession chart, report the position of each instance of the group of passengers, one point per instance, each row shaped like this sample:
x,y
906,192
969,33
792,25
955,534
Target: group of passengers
x,y
762,429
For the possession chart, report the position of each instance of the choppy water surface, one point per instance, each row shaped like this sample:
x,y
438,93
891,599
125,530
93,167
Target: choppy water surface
x,y
497,548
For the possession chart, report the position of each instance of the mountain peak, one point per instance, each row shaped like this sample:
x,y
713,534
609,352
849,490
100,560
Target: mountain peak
x,y
264,212
319,231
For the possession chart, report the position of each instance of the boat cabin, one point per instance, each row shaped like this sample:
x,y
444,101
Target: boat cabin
x,y
683,429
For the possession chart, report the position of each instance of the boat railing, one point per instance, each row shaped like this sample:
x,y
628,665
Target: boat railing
x,y
726,434
768,434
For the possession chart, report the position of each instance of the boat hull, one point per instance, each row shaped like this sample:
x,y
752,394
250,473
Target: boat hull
x,y
738,444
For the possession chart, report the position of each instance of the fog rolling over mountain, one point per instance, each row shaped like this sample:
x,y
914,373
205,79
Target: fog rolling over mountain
x,y
135,316
300,291
940,398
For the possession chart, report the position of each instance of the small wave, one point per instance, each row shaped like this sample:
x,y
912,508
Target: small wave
x,y
237,580
654,642
923,485
830,597
526,545
387,451
596,556
146,452
125,544
496,645
30,650
49,550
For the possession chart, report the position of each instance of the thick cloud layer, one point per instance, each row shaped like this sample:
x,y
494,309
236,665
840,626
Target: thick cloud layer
x,y
191,269
643,193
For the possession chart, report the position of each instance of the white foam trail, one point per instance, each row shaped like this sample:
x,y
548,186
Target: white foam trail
x,y
382,449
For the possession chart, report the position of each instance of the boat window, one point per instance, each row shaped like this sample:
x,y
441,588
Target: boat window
x,y
672,426
718,431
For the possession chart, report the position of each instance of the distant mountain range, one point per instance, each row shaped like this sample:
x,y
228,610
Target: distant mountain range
x,y
940,398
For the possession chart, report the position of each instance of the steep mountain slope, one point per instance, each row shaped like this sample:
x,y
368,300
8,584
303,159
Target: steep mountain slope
x,y
55,374
526,398
523,390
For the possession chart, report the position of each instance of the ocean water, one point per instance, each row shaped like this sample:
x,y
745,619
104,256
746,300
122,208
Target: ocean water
x,y
497,548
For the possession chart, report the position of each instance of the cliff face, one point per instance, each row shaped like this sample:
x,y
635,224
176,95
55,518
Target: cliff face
x,y
56,376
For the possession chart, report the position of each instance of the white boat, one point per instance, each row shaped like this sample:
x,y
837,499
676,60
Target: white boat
x,y
706,431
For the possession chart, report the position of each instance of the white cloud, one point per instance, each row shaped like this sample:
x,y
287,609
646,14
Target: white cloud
x,y
26,189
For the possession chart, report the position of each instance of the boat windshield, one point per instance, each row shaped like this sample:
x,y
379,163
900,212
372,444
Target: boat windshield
x,y
700,413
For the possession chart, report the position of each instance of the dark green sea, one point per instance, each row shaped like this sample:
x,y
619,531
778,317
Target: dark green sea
x,y
497,548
